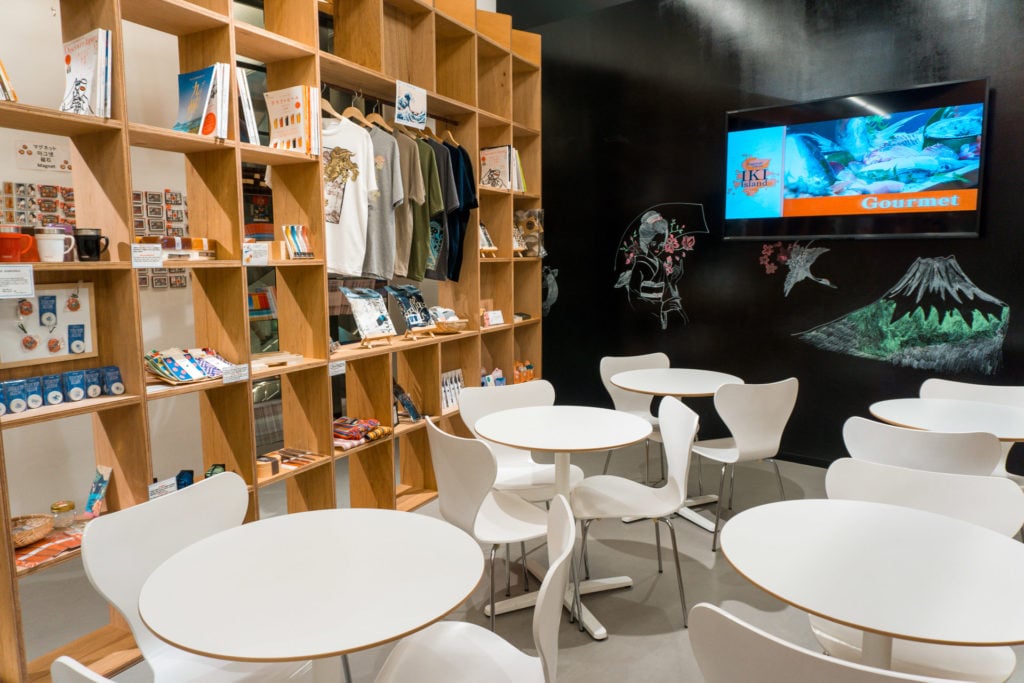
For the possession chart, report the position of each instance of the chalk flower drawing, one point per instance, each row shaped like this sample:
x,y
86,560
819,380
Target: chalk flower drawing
x,y
934,319
650,256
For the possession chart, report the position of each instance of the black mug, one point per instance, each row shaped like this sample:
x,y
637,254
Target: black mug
x,y
90,244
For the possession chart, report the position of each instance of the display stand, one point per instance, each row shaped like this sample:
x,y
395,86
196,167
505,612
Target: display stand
x,y
370,342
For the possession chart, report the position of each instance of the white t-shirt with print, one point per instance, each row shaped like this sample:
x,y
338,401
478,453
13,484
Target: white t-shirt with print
x,y
347,165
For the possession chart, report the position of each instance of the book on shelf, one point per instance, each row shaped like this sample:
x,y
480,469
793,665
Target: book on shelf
x,y
6,89
496,167
294,115
410,300
296,239
248,131
87,74
518,178
202,101
370,312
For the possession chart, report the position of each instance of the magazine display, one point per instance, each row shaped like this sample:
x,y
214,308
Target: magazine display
x,y
502,169
370,313
87,74
203,101
410,299
294,118
248,131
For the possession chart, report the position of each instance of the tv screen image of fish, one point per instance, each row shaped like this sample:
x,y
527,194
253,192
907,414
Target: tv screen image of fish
x,y
904,163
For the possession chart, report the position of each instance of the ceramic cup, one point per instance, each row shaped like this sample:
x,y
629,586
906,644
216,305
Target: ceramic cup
x,y
53,247
90,243
13,243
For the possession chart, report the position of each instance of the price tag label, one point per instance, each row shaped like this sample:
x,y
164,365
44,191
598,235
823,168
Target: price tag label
x,y
336,367
236,373
17,282
256,253
147,256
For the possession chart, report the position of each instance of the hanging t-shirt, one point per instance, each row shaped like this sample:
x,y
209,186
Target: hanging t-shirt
x,y
422,214
458,220
379,261
415,193
437,259
347,164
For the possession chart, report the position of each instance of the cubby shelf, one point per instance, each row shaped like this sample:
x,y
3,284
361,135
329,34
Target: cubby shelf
x,y
483,86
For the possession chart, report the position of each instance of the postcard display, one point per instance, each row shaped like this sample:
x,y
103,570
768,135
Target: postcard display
x,y
485,96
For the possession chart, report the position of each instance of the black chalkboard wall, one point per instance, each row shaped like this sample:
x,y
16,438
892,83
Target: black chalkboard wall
x,y
634,107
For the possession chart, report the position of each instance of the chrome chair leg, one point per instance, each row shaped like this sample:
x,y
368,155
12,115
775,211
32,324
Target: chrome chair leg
x,y
647,462
522,558
732,483
584,554
700,475
718,511
494,550
778,475
607,462
508,572
679,572
657,542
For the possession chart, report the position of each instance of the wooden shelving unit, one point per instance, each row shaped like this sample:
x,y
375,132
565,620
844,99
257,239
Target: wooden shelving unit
x,y
483,83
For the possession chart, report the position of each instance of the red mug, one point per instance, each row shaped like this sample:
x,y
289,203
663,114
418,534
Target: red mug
x,y
13,245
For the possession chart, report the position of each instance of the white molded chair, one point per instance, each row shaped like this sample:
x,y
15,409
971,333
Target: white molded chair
x,y
517,470
607,496
454,651
67,670
630,401
990,393
465,470
121,549
756,415
976,453
993,502
729,650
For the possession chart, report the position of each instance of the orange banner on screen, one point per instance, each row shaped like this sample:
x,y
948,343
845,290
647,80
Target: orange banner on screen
x,y
903,202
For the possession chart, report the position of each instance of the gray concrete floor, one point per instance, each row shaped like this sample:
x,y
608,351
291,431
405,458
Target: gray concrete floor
x,y
646,636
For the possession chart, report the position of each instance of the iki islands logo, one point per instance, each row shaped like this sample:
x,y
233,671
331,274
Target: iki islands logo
x,y
755,176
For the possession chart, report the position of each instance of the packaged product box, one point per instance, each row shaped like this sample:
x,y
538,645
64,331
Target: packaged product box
x,y
17,395
53,393
110,376
34,392
73,382
93,385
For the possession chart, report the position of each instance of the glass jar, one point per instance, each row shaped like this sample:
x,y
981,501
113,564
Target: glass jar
x,y
63,513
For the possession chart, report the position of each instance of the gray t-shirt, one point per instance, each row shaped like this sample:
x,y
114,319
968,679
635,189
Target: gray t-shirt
x,y
437,258
379,261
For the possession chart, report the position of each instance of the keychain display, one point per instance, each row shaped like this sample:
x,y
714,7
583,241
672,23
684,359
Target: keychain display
x,y
58,323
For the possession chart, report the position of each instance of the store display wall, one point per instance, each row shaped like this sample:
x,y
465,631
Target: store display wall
x,y
635,97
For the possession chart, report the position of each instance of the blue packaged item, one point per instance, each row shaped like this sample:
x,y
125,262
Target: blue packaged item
x,y
53,393
74,385
34,392
110,376
17,395
93,385
76,338
3,401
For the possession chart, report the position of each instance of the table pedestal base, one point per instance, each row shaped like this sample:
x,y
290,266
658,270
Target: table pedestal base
x,y
876,650
691,516
329,670
590,623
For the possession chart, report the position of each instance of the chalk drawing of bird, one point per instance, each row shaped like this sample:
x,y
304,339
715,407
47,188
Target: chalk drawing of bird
x,y
799,263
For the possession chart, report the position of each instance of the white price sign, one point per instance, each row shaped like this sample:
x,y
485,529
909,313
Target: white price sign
x,y
236,373
255,253
16,282
147,256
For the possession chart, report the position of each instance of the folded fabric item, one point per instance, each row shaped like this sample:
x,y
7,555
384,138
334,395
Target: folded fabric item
x,y
353,428
345,444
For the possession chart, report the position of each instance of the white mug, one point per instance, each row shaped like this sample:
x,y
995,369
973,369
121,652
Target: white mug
x,y
52,248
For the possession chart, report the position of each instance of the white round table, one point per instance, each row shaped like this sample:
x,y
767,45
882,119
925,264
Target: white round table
x,y
680,382
952,415
893,572
311,585
563,430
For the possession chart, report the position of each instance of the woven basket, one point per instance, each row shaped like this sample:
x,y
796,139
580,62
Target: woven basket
x,y
450,326
30,528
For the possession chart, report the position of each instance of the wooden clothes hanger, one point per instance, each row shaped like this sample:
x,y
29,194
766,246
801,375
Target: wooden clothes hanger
x,y
450,139
376,119
357,116
429,133
326,106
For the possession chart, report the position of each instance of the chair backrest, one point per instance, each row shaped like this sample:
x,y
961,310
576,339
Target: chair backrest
x,y
475,402
729,650
64,669
954,452
547,614
678,428
993,502
121,549
612,365
756,415
465,470
947,388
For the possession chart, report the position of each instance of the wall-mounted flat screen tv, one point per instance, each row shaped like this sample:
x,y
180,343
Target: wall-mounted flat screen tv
x,y
903,163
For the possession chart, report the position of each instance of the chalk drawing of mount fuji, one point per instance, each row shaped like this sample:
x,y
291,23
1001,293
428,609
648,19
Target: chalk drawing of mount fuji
x,y
934,318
